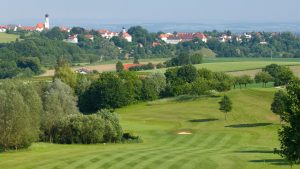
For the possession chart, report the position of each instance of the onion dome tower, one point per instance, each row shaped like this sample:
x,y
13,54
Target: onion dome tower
x,y
47,22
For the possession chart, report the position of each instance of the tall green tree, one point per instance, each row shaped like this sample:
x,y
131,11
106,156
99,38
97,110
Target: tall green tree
x,y
225,105
290,131
108,91
65,73
59,101
119,66
18,128
279,103
263,77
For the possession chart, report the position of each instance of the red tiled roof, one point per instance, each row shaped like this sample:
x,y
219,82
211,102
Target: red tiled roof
x,y
126,35
103,31
164,36
89,36
64,29
154,44
40,25
200,35
28,28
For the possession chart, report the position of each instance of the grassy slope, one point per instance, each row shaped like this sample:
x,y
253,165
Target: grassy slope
x,y
207,53
211,146
6,38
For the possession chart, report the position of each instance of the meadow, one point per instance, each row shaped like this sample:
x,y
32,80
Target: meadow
x,y
230,65
7,38
245,141
235,65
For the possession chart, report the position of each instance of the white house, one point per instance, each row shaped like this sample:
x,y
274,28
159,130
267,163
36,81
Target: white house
x,y
107,34
126,35
65,29
72,39
225,38
3,29
90,37
182,37
248,36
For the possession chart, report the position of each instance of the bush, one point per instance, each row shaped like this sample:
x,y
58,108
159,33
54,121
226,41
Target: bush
x,y
148,66
160,66
102,127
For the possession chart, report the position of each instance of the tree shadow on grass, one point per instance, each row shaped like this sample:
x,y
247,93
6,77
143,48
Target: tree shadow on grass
x,y
202,120
271,161
185,98
256,151
249,125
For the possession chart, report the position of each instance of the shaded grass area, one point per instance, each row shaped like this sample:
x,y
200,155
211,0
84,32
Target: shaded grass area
x,y
249,125
210,146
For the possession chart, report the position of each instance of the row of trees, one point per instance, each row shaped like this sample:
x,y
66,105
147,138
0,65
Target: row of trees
x,y
113,90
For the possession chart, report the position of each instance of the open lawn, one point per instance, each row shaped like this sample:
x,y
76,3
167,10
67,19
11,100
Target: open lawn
x,y
6,38
252,73
235,66
245,141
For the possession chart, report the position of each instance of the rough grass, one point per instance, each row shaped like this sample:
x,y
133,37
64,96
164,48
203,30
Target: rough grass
x,y
7,38
245,141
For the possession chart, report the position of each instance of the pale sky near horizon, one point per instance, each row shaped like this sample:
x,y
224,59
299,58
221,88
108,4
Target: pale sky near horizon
x,y
152,11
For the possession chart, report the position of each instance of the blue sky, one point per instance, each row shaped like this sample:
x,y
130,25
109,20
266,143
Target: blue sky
x,y
151,11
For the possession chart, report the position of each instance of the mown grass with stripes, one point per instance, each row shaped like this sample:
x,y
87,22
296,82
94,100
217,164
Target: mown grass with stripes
x,y
246,140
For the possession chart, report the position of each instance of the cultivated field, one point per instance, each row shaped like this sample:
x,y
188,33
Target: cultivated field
x,y
207,141
211,64
6,38
105,66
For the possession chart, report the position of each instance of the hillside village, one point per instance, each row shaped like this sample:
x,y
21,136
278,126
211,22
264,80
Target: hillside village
x,y
169,38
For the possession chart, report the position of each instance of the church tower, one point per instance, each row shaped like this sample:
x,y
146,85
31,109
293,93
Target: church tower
x,y
47,22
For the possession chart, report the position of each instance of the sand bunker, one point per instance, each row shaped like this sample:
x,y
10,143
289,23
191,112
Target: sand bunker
x,y
184,133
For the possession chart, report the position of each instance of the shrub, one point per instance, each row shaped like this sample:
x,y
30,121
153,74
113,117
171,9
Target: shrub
x,y
102,127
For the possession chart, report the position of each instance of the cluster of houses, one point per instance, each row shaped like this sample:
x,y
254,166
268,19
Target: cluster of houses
x,y
169,38
110,34
38,27
103,32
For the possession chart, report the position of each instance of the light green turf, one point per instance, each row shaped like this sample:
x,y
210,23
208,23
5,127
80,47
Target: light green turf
x,y
206,53
211,146
235,66
6,38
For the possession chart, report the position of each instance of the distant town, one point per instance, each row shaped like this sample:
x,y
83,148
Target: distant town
x,y
169,38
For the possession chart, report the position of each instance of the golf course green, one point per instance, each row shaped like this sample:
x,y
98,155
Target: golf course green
x,y
178,133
